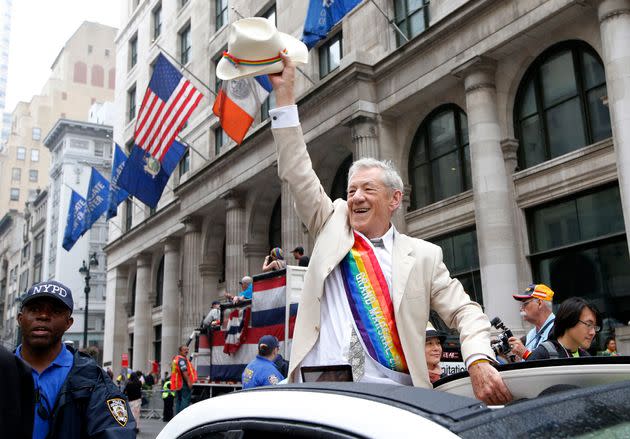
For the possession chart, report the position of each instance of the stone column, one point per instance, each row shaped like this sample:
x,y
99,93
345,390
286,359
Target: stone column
x,y
364,138
142,319
491,188
191,280
254,255
210,274
614,19
292,230
234,240
170,302
115,332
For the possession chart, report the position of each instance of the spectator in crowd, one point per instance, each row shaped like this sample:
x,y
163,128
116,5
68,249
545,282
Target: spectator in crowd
x,y
282,365
110,373
17,406
611,347
183,376
133,390
149,380
577,323
536,308
213,318
433,352
274,260
168,396
262,371
300,257
247,290
166,377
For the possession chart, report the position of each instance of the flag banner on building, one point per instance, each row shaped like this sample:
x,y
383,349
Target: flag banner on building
x,y
97,195
116,194
238,102
269,301
321,16
237,326
145,178
168,102
76,221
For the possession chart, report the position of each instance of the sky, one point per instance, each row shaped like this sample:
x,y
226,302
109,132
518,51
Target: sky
x,y
39,30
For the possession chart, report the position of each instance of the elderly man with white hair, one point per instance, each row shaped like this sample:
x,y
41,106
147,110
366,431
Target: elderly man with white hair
x,y
369,289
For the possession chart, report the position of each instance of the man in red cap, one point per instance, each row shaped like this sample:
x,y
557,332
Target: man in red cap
x,y
536,308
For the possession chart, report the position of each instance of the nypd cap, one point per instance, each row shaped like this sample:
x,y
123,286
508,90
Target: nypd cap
x,y
52,289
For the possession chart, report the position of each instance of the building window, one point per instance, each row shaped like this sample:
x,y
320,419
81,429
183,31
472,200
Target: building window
x,y
275,225
185,44
64,96
159,283
561,104
579,248
16,174
107,52
98,77
15,194
330,55
221,13
34,155
157,21
90,48
215,62
130,348
184,163
98,149
339,188
220,139
183,3
36,133
128,214
133,51
439,161
33,174
80,72
461,256
157,343
21,153
411,17
132,305
131,103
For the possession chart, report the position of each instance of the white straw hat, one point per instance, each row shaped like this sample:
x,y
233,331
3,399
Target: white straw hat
x,y
254,46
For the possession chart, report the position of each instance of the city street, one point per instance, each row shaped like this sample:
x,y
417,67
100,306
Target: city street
x,y
150,428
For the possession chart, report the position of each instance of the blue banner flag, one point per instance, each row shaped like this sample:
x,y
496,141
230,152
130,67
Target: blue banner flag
x,y
145,177
116,194
76,222
97,195
322,15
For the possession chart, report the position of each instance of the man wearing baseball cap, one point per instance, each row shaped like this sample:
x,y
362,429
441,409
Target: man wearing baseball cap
x,y
262,371
74,397
536,308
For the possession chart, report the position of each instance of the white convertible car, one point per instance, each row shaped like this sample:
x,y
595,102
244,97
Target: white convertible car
x,y
568,398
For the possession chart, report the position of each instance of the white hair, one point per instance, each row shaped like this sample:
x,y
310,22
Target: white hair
x,y
391,177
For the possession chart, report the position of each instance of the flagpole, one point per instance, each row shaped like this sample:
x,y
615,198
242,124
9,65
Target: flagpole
x,y
181,66
390,21
296,67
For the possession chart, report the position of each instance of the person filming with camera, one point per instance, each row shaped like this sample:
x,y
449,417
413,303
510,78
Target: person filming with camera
x,y
536,308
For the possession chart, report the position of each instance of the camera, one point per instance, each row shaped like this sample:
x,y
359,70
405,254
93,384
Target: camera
x,y
501,346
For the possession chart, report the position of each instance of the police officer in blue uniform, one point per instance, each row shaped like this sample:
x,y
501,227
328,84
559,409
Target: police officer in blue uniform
x,y
263,371
74,398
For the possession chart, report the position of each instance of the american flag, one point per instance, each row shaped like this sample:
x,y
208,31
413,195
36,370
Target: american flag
x,y
167,104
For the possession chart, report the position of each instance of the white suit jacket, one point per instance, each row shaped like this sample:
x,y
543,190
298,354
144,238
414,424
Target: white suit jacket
x,y
420,280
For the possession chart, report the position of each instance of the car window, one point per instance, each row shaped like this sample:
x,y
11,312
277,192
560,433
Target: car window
x,y
265,429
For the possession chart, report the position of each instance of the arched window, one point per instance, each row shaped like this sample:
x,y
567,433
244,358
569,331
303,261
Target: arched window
x,y
111,79
80,72
98,76
275,225
159,283
561,104
339,186
439,162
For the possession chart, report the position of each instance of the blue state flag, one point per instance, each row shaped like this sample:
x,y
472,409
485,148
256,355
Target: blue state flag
x,y
76,222
322,15
97,195
116,194
145,177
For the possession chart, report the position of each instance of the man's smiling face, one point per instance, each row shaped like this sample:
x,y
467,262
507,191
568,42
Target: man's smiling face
x,y
370,202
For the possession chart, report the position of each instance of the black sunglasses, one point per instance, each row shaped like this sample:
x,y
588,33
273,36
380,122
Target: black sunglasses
x,y
40,399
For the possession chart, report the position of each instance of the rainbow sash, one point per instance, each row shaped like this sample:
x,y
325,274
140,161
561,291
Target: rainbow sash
x,y
371,305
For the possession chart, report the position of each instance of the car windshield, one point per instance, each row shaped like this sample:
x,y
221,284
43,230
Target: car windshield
x,y
614,432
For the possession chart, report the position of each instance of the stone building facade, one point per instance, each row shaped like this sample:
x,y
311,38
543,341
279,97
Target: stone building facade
x,y
508,121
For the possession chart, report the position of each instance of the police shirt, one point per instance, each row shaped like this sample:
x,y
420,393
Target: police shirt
x,y
47,385
260,372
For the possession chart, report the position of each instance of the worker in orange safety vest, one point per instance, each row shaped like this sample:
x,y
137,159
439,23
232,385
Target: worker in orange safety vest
x,y
183,376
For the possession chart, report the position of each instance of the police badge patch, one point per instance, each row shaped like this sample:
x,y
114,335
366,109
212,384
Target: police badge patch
x,y
118,409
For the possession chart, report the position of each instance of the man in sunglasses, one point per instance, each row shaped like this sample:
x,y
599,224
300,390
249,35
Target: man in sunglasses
x,y
535,309
74,398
